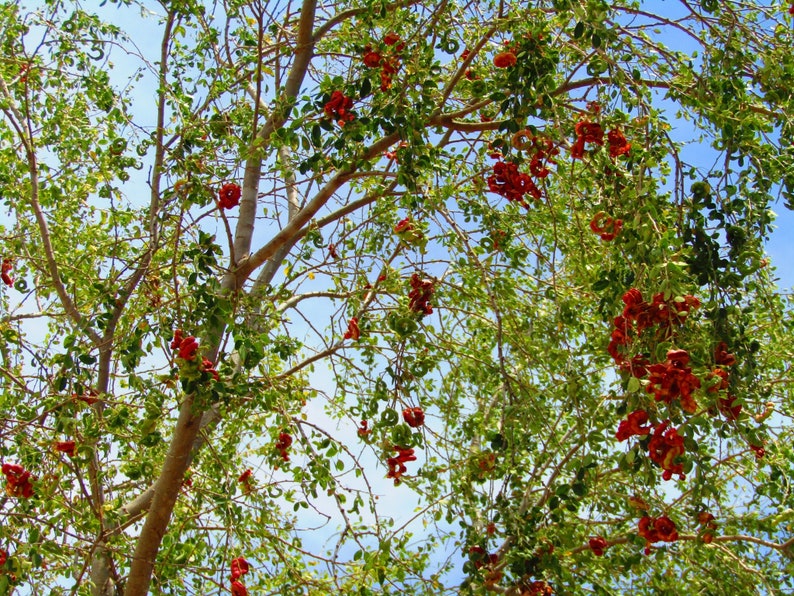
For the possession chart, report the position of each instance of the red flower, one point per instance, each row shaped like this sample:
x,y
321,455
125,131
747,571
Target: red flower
x,y
3,556
653,529
664,449
239,568
674,379
397,464
597,545
414,417
672,312
372,59
723,376
586,132
238,589
208,366
339,107
404,225
177,341
391,38
721,355
605,226
729,407
389,67
666,529
229,196
67,447
188,348
352,329
364,429
508,182
538,588
244,477
332,251
420,295
636,367
759,451
632,426
283,444
6,267
618,145
17,481
590,132
706,520
504,60
465,55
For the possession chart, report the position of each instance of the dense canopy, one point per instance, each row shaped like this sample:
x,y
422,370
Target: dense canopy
x,y
373,297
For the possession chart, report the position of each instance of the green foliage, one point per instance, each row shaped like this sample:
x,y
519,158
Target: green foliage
x,y
474,244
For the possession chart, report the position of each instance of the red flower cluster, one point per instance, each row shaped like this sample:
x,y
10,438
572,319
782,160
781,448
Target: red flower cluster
x,y
186,346
67,447
542,149
606,227
586,132
6,268
390,64
505,59
364,429
537,588
721,355
229,195
673,379
706,520
633,426
239,568
636,367
598,545
508,182
397,463
339,107
638,315
664,448
420,295
3,556
208,366
618,145
657,529
391,39
245,477
727,405
283,444
403,226
17,481
371,58
409,233
353,331
414,417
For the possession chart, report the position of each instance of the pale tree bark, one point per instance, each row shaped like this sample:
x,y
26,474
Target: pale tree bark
x,y
177,460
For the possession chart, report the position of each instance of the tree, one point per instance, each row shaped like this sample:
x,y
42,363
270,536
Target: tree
x,y
272,278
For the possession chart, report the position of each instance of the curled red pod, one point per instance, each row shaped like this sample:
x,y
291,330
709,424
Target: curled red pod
x,y
414,417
